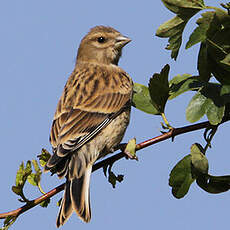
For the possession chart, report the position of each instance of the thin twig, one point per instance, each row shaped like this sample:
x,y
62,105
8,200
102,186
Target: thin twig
x,y
171,134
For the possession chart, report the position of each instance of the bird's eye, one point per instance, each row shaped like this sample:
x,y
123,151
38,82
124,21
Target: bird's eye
x,y
101,39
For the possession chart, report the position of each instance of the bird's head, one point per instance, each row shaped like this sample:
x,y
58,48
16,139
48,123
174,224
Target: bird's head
x,y
102,45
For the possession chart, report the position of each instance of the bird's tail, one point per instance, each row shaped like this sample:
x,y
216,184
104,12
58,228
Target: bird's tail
x,y
76,198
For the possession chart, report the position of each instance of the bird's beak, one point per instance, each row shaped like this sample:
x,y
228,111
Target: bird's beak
x,y
121,41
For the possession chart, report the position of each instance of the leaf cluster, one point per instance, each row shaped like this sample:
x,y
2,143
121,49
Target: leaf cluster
x,y
211,86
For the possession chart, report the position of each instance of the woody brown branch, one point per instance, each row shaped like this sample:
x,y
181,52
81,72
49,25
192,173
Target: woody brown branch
x,y
110,160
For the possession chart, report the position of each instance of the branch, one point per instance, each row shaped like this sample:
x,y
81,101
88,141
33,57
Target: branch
x,y
110,160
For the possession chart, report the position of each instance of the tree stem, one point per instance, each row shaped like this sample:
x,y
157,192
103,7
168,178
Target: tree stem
x,y
171,134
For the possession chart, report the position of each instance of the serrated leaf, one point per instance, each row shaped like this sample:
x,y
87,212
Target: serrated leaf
x,y
44,157
218,48
198,159
159,89
32,179
172,29
28,168
181,177
183,83
201,32
36,167
23,173
183,7
142,100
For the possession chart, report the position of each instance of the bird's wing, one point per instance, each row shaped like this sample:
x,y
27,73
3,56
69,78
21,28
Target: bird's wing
x,y
92,97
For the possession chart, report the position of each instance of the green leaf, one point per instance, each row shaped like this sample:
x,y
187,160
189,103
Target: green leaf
x,y
214,184
35,178
184,8
32,179
130,149
9,220
214,113
207,101
44,157
218,48
181,177
226,62
201,32
203,64
199,160
45,203
225,93
17,189
159,89
183,83
21,177
196,108
142,100
173,29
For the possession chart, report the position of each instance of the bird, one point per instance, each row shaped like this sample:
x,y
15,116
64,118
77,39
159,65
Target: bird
x,y
91,118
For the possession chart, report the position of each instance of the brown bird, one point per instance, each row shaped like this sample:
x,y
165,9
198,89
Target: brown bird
x,y
91,117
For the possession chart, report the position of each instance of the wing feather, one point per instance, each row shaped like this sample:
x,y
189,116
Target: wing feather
x,y
92,97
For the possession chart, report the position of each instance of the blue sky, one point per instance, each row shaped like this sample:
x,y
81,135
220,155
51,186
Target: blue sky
x,y
38,43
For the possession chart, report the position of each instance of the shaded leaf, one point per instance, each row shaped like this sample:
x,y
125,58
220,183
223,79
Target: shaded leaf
x,y
181,177
201,32
9,220
44,157
45,203
218,48
142,100
172,29
207,101
225,93
183,83
214,184
183,7
199,160
159,89
203,64
226,62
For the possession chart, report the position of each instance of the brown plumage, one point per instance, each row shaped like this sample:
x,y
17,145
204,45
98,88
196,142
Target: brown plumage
x,y
91,117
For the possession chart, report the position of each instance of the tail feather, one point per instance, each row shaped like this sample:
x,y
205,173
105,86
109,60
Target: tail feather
x,y
80,195
76,198
66,208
